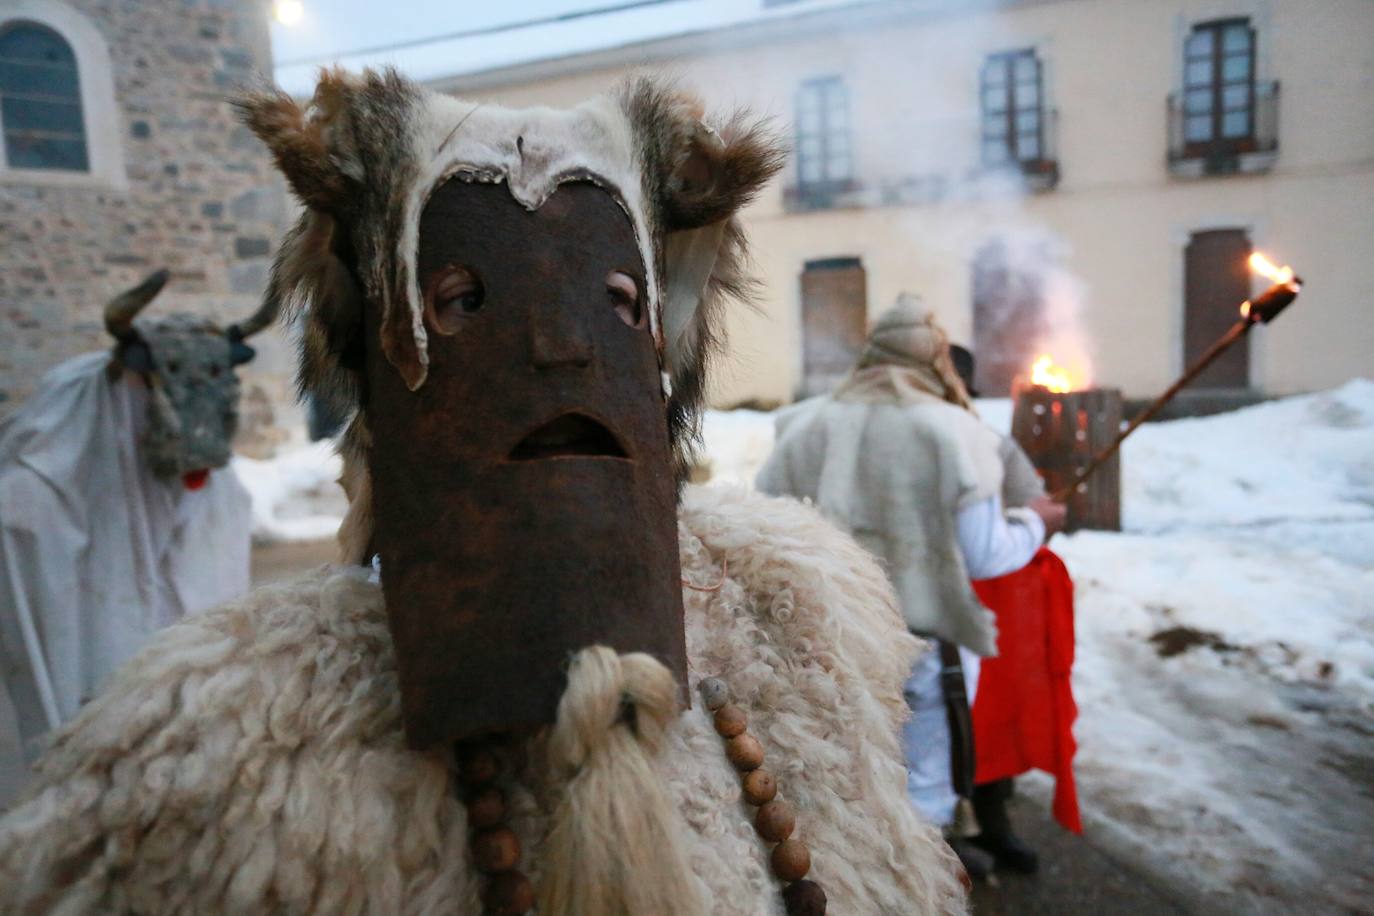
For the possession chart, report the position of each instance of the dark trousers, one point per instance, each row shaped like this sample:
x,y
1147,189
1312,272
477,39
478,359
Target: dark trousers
x,y
990,805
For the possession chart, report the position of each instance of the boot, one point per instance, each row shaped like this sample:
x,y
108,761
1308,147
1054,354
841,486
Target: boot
x,y
977,864
1010,851
997,838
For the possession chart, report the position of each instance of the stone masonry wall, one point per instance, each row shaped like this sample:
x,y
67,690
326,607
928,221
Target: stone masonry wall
x,y
202,200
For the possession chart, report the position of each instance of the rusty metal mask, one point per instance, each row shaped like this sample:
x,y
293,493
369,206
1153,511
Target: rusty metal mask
x,y
524,497
518,307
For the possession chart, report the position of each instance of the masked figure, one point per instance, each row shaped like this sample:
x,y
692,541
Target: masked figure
x,y
117,515
896,456
545,674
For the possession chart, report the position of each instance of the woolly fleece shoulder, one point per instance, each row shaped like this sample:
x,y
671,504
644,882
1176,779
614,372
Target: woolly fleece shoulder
x,y
251,759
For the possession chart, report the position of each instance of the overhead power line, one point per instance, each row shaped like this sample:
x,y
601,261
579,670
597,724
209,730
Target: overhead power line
x,y
474,33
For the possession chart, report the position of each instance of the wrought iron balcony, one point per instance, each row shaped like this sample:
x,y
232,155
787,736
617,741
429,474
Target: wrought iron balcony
x,y
823,195
1208,139
1034,154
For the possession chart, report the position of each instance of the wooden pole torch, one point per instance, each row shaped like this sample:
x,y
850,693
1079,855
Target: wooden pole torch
x,y
1261,310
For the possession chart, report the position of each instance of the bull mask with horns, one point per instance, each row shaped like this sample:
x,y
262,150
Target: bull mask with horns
x,y
187,364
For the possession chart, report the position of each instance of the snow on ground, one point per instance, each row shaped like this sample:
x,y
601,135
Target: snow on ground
x,y
295,494
1225,667
737,444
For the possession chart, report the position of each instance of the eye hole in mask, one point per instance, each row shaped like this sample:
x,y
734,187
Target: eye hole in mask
x,y
454,295
623,293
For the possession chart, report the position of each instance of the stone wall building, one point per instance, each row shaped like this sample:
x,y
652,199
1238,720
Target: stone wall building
x,y
121,155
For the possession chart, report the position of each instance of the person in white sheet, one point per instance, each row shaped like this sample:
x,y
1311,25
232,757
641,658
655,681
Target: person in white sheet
x,y
118,515
896,456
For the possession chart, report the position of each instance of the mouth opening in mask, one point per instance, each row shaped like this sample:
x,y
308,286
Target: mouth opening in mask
x,y
572,435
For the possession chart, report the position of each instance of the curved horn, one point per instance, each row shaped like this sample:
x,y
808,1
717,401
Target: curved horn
x,y
264,316
120,311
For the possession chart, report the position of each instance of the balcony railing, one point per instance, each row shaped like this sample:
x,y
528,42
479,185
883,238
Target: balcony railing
x,y
931,181
823,195
1214,154
1041,170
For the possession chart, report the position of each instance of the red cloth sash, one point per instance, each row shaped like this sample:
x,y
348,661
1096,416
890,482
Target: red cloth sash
x,y
1023,712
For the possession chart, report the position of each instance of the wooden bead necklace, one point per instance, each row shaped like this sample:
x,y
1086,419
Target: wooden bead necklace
x,y
496,848
775,820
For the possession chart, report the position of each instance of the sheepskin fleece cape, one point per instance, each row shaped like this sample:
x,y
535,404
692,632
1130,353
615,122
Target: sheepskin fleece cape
x,y
251,759
892,465
1022,482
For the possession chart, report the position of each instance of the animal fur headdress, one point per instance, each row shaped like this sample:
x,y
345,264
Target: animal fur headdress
x,y
368,151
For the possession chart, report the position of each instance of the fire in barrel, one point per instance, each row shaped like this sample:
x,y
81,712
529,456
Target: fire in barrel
x,y
1074,437
1061,425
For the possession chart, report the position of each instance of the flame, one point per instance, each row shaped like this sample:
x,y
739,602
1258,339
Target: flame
x,y
1245,309
1046,374
1265,268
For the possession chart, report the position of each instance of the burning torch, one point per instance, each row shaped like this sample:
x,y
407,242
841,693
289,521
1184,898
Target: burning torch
x,y
1260,310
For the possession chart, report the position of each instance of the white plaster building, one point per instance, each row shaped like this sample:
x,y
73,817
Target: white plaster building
x,y
1150,144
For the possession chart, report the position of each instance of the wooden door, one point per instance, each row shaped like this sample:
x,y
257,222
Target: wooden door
x,y
834,295
1008,320
1216,281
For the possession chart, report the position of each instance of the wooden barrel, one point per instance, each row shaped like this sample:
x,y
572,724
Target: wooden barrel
x,y
1060,433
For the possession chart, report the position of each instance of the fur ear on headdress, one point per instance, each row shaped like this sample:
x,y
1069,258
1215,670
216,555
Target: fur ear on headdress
x,y
698,180
309,276
308,144
344,155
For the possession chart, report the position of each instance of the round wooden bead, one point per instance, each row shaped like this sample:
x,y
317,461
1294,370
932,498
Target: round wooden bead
x,y
510,894
496,849
775,821
730,721
791,860
477,765
714,693
744,752
487,808
804,898
760,787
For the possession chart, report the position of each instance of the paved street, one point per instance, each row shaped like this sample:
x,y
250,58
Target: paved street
x,y
1076,878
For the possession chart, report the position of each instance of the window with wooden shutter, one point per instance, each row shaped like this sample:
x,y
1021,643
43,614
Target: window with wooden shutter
x,y
1013,109
1219,84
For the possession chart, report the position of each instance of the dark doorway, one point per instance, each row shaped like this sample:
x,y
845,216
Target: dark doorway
x,y
1008,319
1216,280
834,295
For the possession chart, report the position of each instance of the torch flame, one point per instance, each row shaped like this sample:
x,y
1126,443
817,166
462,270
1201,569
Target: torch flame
x,y
1046,374
1266,268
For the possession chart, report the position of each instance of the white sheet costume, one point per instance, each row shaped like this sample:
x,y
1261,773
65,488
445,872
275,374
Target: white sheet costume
x,y
97,554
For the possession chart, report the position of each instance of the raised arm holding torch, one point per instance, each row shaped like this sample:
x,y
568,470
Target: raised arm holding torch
x,y
1260,310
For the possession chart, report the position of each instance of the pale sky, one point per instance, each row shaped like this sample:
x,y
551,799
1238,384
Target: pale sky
x,y
332,27
422,37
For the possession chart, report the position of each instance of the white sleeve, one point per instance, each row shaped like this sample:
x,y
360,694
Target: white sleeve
x,y
993,543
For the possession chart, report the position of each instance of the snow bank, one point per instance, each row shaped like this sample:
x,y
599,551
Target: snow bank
x,y
1308,458
737,443
296,496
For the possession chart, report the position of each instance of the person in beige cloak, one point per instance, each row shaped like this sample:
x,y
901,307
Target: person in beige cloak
x,y
896,457
545,673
